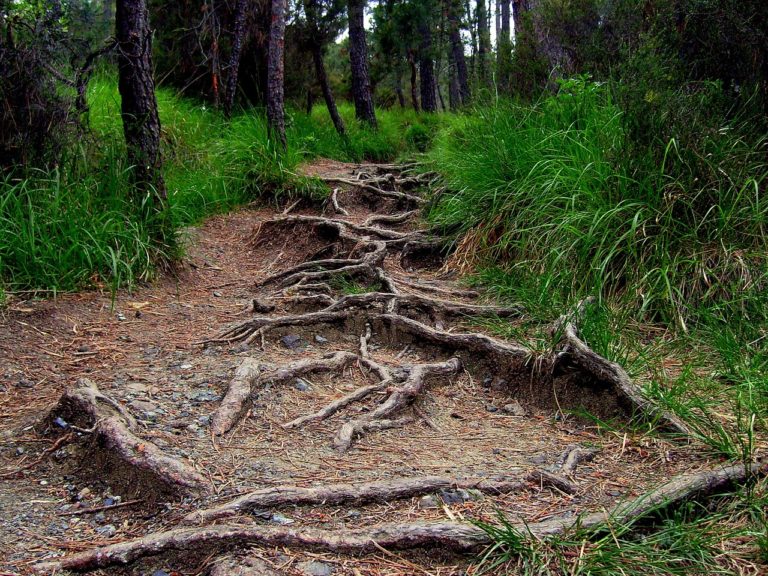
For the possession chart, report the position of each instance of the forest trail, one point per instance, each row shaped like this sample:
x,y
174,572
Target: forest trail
x,y
314,393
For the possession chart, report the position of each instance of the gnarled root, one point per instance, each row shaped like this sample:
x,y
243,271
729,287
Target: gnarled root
x,y
453,535
112,429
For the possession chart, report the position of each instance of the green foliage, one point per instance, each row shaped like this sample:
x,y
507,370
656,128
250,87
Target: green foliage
x,y
555,194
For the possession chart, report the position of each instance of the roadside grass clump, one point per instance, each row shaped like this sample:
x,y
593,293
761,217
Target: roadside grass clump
x,y
690,539
550,194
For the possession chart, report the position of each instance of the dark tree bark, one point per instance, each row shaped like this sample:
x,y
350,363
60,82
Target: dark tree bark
x,y
238,35
498,21
399,86
504,43
458,61
358,56
414,90
473,39
141,123
322,78
484,42
426,66
275,74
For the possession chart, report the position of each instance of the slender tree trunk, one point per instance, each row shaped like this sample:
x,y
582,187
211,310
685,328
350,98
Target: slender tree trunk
x,y
458,61
414,90
141,122
473,40
106,12
504,43
426,67
238,33
484,43
275,74
358,56
454,97
498,21
399,86
322,78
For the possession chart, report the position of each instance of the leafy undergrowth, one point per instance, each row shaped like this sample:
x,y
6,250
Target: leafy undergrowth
x,y
73,225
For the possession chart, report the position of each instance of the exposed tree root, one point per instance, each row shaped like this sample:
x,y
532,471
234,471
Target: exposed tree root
x,y
363,185
334,494
335,203
603,369
240,392
452,535
402,396
112,428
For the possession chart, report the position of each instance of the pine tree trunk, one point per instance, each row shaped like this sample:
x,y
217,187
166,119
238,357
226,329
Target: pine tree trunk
x,y
498,21
414,90
473,40
457,51
322,78
358,56
238,33
399,86
484,43
141,122
426,68
275,74
504,43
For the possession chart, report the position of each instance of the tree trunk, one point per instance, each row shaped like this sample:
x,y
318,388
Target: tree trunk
x,y
106,12
141,122
426,67
504,43
498,21
473,40
414,91
458,61
322,78
358,56
484,43
238,33
399,86
275,74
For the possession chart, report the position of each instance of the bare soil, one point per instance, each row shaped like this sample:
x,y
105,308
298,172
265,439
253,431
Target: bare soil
x,y
144,349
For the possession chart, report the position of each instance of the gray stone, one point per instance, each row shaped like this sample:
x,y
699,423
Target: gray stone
x,y
19,451
491,408
459,496
514,408
320,339
301,385
428,502
292,342
280,519
204,420
160,573
186,366
109,530
217,294
315,568
24,383
143,406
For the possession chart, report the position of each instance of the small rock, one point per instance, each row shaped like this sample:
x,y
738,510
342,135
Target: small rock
x,y
109,501
204,395
427,502
300,385
514,408
108,531
186,366
84,348
100,517
280,519
217,294
315,568
121,317
491,408
160,573
262,307
487,382
19,451
320,339
60,422
292,342
459,496
84,494
354,514
143,406
204,420
194,428
24,383
496,451
43,482
538,459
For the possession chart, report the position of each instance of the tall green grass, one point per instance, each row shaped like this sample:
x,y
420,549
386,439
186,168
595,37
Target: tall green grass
x,y
555,203
74,225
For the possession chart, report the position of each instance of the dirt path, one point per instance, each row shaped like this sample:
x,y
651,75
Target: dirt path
x,y
354,394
